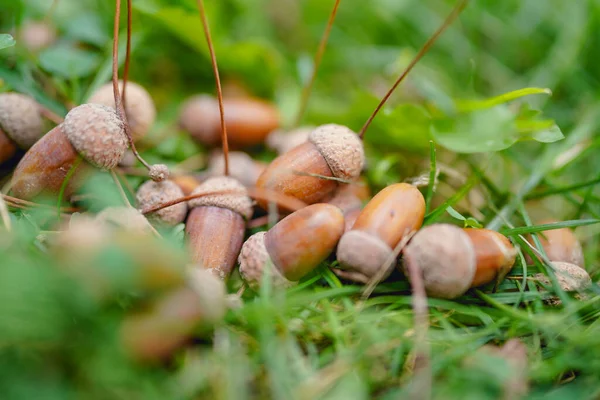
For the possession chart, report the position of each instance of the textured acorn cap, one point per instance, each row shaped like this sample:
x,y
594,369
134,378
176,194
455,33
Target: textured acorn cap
x,y
570,277
342,149
159,172
236,199
445,255
361,256
20,119
139,106
97,133
254,259
152,193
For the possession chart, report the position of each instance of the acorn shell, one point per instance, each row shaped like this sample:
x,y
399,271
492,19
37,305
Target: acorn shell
x,y
229,193
20,119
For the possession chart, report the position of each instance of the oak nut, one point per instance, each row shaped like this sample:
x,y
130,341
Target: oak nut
x,y
92,131
248,120
216,224
151,194
21,124
445,256
495,255
292,248
393,213
561,245
139,106
570,277
311,171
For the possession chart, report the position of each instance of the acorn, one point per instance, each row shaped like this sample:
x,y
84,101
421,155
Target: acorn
x,y
172,320
570,277
283,141
91,131
393,213
561,245
332,151
37,35
445,256
495,255
139,106
350,198
216,224
241,167
292,248
21,124
151,194
248,120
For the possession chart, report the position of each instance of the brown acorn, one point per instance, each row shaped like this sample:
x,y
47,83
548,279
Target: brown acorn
x,y
248,120
92,131
332,151
292,248
392,214
139,106
216,224
561,245
21,124
350,198
445,256
495,255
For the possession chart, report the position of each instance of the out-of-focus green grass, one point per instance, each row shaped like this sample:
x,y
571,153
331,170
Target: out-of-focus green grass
x,y
318,340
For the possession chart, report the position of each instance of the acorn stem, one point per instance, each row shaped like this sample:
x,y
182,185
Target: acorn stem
x,y
318,57
213,59
50,115
447,22
115,81
127,55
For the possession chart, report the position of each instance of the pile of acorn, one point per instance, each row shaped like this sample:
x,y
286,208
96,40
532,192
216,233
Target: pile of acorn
x,y
313,188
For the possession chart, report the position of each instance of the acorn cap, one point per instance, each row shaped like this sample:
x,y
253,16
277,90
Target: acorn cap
x,y
235,199
254,258
445,255
20,119
97,133
342,149
159,172
139,106
361,256
153,193
570,277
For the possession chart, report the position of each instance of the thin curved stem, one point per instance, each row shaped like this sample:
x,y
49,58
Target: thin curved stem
x,y
215,67
115,81
447,22
127,55
318,57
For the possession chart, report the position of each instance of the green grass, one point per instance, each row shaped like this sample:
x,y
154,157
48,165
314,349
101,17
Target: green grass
x,y
321,339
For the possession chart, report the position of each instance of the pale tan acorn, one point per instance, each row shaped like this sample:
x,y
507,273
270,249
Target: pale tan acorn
x,y
36,35
151,194
393,213
21,124
560,245
91,131
332,151
139,106
292,248
445,256
570,277
495,255
248,120
216,224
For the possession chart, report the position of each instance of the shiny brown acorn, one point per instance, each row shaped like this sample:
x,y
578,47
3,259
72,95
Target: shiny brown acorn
x,y
91,131
561,245
495,255
392,214
216,224
248,120
311,171
21,124
445,256
292,248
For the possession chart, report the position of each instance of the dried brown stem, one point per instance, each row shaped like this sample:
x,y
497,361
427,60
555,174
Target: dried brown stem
x,y
115,81
447,22
215,67
50,115
318,57
127,55
19,203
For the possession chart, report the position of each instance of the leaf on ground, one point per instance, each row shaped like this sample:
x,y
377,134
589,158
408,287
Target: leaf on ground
x,y
69,62
6,40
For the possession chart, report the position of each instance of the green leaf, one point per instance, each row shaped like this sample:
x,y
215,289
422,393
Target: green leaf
x,y
407,126
6,40
69,62
474,105
455,214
